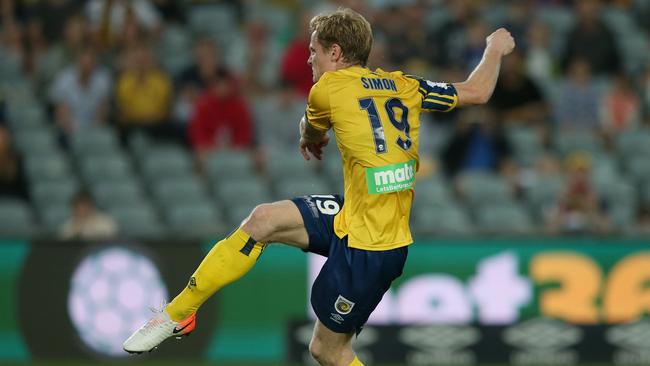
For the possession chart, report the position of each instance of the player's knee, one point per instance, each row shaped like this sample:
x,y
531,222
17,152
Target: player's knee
x,y
318,352
259,224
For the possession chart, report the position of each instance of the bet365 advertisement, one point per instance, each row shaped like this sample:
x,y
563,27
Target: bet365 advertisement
x,y
458,302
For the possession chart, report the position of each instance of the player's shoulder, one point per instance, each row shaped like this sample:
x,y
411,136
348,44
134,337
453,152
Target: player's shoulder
x,y
321,85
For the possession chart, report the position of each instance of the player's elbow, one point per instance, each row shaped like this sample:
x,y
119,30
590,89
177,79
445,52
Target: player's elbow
x,y
470,94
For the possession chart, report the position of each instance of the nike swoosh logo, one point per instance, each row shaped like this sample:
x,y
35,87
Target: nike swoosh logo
x,y
176,330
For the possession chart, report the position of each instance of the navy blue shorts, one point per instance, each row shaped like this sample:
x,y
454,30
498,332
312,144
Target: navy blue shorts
x,y
353,281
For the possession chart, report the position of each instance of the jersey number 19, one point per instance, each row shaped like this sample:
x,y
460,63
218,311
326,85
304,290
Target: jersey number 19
x,y
368,104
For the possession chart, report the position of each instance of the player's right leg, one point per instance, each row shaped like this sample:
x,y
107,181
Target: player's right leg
x,y
226,262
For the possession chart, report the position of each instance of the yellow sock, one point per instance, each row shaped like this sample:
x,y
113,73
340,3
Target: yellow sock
x,y
356,362
227,261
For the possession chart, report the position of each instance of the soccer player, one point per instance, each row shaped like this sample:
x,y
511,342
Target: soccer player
x,y
375,118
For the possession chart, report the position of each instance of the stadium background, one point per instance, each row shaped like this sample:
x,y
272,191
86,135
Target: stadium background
x,y
135,133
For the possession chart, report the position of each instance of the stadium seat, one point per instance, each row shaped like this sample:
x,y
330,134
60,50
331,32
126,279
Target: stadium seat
x,y
10,68
216,21
507,219
229,165
604,169
36,142
116,193
195,220
95,141
48,167
53,217
332,170
622,217
638,168
568,142
617,193
289,188
432,192
54,192
25,115
174,49
236,214
542,194
633,142
443,220
290,165
166,163
526,144
114,167
248,192
17,220
480,189
137,220
179,190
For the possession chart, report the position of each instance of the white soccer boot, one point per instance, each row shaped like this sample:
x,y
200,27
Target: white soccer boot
x,y
157,329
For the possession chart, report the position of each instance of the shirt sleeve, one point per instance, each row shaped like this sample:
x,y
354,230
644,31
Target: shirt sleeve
x,y
318,112
439,97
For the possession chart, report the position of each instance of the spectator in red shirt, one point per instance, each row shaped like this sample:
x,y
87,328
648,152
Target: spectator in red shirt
x,y
221,118
294,68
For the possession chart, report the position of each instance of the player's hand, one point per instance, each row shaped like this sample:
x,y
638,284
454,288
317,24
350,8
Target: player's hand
x,y
501,41
313,148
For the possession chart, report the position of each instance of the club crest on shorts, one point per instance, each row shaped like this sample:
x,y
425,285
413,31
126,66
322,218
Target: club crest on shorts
x,y
343,305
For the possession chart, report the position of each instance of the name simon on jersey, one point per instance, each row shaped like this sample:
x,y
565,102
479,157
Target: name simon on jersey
x,y
379,84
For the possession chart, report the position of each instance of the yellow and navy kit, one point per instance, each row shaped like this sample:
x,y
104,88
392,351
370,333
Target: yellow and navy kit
x,y
375,116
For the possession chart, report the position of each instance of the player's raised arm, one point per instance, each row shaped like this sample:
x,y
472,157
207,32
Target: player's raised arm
x,y
478,87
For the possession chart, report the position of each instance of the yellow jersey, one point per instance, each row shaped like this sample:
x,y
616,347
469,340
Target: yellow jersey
x,y
375,116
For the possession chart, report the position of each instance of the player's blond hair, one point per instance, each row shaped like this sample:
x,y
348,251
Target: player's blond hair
x,y
348,29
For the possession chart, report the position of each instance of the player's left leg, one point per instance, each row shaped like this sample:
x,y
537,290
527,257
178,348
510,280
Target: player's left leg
x,y
332,349
234,256
227,261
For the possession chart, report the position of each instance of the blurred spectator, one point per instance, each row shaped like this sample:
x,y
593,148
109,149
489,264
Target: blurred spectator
x,y
37,45
477,144
63,52
404,30
221,119
474,44
516,97
578,209
52,15
171,10
13,182
256,57
80,94
86,221
294,68
621,106
379,56
143,95
642,224
539,60
645,94
12,47
446,41
194,80
592,40
3,112
578,100
276,117
112,20
517,22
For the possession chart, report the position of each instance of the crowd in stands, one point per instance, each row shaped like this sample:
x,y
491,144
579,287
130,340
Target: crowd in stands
x,y
562,141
